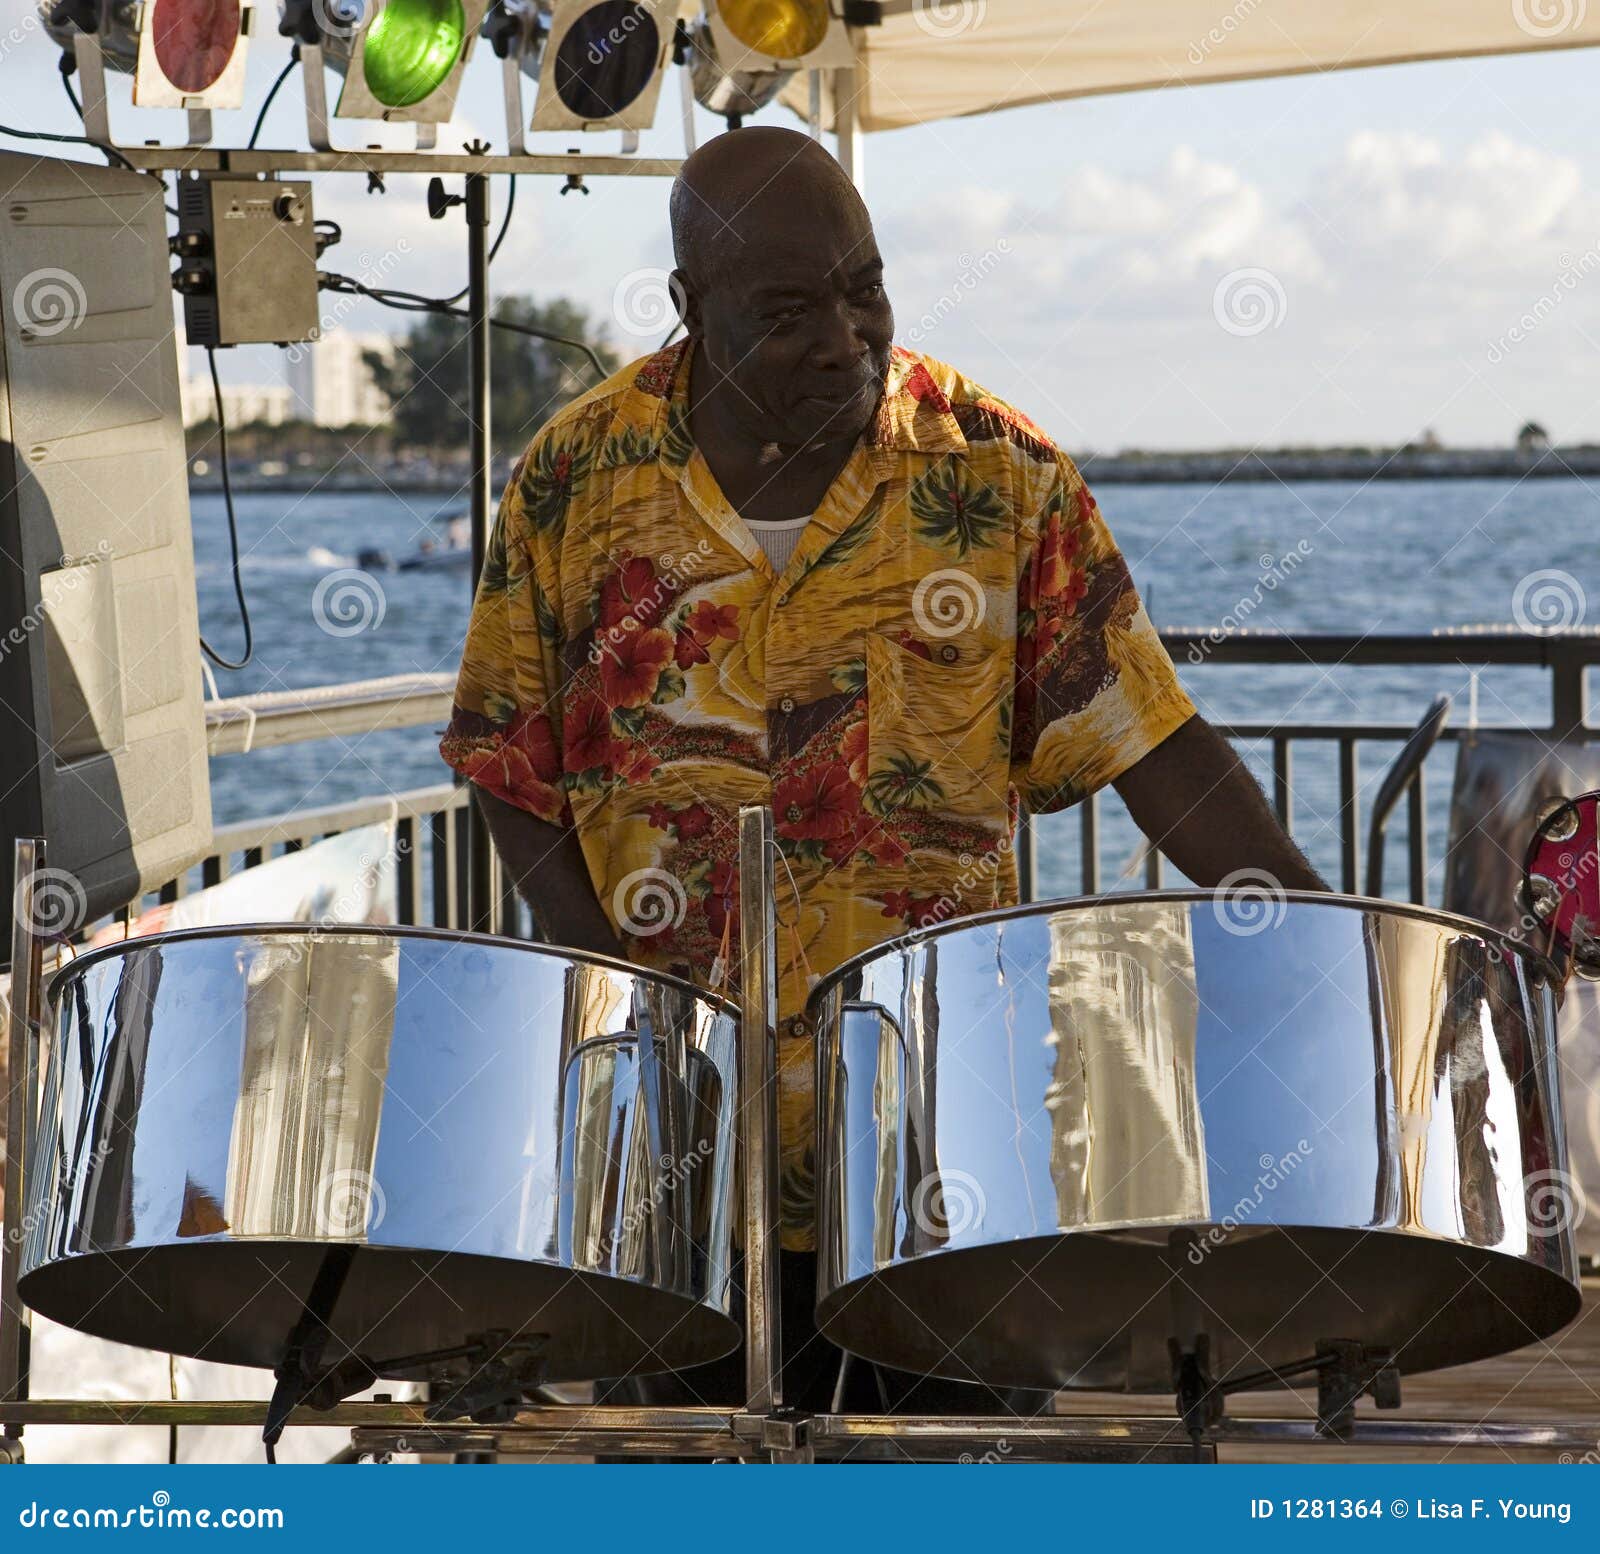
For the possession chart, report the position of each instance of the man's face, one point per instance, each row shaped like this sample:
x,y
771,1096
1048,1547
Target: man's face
x,y
796,320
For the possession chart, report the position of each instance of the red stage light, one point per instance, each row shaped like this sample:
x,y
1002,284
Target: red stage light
x,y
194,40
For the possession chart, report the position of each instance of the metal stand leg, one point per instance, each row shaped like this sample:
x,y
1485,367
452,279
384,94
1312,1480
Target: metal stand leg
x,y
481,884
758,1119
27,969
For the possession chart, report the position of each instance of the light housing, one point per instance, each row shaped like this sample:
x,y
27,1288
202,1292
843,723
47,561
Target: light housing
x,y
754,36
603,64
734,94
401,59
180,53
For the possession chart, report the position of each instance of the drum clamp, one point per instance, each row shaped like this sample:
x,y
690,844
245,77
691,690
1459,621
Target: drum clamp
x,y
783,1430
1345,1370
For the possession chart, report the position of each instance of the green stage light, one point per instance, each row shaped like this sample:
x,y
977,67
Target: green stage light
x,y
411,48
401,60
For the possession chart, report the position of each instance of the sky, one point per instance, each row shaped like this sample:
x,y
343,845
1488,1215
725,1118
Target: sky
x,y
1345,258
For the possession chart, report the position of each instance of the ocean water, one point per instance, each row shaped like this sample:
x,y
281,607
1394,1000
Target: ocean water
x,y
1379,558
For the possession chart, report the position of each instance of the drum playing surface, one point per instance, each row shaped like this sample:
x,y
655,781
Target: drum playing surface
x,y
485,1137
1055,1140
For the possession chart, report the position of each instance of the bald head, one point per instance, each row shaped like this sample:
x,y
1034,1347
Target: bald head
x,y
730,192
781,286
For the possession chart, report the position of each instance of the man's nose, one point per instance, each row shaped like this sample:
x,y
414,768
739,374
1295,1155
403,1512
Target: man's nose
x,y
838,344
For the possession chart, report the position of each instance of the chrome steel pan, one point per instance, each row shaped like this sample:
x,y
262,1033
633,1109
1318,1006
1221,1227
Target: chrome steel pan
x,y
1054,1138
510,1137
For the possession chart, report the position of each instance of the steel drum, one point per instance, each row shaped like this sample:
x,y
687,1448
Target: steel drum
x,y
507,1138
1054,1139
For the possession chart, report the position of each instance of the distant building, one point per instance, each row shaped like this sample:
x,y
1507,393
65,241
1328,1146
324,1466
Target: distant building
x,y
265,404
1533,438
330,383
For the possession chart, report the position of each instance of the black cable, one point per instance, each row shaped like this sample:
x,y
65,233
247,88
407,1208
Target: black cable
x,y
412,302
272,91
500,237
233,542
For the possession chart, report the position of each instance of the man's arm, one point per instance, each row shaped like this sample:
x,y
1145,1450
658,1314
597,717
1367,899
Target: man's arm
x,y
1194,799
546,863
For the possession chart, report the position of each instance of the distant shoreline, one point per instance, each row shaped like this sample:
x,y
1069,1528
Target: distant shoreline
x,y
1105,469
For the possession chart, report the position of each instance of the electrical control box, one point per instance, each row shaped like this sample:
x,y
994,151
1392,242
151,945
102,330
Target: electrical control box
x,y
102,727
247,254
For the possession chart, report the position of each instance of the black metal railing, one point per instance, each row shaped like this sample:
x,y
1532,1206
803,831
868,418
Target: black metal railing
x,y
431,831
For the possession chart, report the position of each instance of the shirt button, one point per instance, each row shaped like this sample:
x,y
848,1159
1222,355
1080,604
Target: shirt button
x,y
949,652
786,705
797,1026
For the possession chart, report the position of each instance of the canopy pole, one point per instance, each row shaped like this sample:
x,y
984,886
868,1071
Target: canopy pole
x,y
846,123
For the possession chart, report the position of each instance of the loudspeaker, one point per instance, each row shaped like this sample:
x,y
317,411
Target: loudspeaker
x,y
102,726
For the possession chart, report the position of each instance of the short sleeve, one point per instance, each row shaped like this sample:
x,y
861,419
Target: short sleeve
x,y
505,726
1095,689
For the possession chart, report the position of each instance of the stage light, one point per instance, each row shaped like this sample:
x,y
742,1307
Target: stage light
x,y
603,64
734,94
759,35
401,59
180,53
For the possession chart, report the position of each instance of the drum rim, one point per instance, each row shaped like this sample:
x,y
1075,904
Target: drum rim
x,y
1540,962
90,958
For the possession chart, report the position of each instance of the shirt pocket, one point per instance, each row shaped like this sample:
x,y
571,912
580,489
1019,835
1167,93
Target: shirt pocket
x,y
936,732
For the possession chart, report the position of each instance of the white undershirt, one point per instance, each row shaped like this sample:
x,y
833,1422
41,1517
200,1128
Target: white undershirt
x,y
779,539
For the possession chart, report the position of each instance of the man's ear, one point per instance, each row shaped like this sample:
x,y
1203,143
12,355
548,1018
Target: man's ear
x,y
687,300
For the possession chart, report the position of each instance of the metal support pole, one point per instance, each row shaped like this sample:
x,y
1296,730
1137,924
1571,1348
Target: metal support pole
x,y
758,1108
481,892
27,969
847,126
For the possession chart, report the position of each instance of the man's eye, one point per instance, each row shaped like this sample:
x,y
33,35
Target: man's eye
x,y
872,293
789,315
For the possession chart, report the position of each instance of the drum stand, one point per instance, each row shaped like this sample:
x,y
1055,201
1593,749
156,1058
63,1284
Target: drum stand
x,y
763,1428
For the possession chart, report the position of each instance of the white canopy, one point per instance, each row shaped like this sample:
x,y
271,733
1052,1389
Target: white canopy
x,y
941,59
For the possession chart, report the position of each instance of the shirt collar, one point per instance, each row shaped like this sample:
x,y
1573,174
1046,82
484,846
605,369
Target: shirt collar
x,y
914,415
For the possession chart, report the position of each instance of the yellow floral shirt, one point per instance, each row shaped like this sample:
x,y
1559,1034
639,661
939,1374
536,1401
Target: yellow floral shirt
x,y
956,627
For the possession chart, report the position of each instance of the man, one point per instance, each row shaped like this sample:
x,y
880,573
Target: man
x,y
786,563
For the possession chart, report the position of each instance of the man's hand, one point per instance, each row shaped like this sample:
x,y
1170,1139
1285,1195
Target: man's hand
x,y
546,864
1194,799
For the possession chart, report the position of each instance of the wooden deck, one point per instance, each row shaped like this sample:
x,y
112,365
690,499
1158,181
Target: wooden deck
x,y
1551,1382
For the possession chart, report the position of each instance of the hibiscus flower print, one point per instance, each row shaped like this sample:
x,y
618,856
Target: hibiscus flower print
x,y
818,805
630,668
